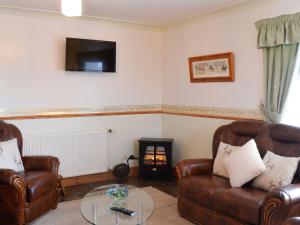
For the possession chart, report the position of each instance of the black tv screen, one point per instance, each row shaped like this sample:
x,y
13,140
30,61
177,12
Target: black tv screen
x,y
90,55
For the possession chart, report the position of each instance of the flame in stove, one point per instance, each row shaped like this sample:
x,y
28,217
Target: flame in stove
x,y
160,159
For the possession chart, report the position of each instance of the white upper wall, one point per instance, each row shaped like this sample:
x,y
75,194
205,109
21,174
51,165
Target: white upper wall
x,y
32,60
231,30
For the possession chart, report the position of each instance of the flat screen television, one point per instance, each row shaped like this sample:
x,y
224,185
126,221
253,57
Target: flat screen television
x,y
90,55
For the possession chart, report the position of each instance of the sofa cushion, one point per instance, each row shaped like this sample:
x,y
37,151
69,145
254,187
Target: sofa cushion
x,y
224,151
246,128
201,189
241,203
10,157
39,183
280,172
244,164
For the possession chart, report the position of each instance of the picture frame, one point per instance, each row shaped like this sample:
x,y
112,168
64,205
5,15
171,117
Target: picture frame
x,y
212,68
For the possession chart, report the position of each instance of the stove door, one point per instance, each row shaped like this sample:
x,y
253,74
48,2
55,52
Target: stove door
x,y
149,156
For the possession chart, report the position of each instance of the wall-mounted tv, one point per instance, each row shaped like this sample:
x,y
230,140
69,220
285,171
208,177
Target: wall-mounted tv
x,y
90,55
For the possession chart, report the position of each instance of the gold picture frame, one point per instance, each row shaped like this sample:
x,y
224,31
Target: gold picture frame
x,y
212,68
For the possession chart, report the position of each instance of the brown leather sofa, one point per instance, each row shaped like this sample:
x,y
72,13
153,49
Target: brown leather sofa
x,y
292,221
207,199
24,196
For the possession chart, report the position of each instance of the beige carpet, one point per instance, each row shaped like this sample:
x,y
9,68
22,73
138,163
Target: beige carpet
x,y
68,213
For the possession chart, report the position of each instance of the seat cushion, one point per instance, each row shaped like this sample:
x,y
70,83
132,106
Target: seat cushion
x,y
202,188
39,183
241,203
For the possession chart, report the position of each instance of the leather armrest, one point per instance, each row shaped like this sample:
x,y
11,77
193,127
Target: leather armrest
x,y
292,221
7,177
278,200
190,167
12,196
33,163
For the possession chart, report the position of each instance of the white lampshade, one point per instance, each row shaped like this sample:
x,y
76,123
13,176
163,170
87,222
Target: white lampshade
x,y
71,7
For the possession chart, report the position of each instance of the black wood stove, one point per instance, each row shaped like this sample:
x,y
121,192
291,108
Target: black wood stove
x,y
155,157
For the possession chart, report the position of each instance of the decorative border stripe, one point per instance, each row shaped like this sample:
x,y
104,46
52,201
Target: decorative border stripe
x,y
213,112
195,111
74,115
211,116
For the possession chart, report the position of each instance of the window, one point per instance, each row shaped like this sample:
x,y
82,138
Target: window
x,y
291,113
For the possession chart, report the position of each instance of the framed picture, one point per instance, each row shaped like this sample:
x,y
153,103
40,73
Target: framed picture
x,y
212,68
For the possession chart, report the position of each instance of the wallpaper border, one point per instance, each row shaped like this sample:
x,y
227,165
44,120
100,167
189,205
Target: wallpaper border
x,y
180,110
213,112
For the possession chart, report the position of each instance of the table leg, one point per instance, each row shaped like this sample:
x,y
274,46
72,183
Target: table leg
x,y
140,214
117,219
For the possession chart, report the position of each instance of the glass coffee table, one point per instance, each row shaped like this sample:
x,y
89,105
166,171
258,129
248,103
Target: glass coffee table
x,y
95,207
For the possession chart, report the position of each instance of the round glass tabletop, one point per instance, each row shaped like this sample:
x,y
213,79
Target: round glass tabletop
x,y
95,207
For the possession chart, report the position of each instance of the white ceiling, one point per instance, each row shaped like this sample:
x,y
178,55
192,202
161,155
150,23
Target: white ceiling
x,y
152,12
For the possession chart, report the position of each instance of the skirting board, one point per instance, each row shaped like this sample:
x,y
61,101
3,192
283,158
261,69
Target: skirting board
x,y
93,178
99,177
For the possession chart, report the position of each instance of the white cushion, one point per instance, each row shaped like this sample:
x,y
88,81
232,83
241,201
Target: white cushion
x,y
280,172
10,156
244,164
224,150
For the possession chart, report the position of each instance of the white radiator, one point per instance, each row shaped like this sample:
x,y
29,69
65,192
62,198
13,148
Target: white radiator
x,y
80,153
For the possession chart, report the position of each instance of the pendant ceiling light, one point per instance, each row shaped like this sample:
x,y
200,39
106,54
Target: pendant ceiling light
x,y
71,7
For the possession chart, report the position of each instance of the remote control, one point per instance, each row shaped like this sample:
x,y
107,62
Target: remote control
x,y
123,210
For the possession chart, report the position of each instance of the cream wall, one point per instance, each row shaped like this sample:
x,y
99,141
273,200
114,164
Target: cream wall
x,y
223,31
32,75
193,136
32,60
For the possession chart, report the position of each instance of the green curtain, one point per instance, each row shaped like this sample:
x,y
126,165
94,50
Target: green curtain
x,y
279,38
278,31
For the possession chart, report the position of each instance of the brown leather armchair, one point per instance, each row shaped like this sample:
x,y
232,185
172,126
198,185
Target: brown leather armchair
x,y
207,199
25,196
